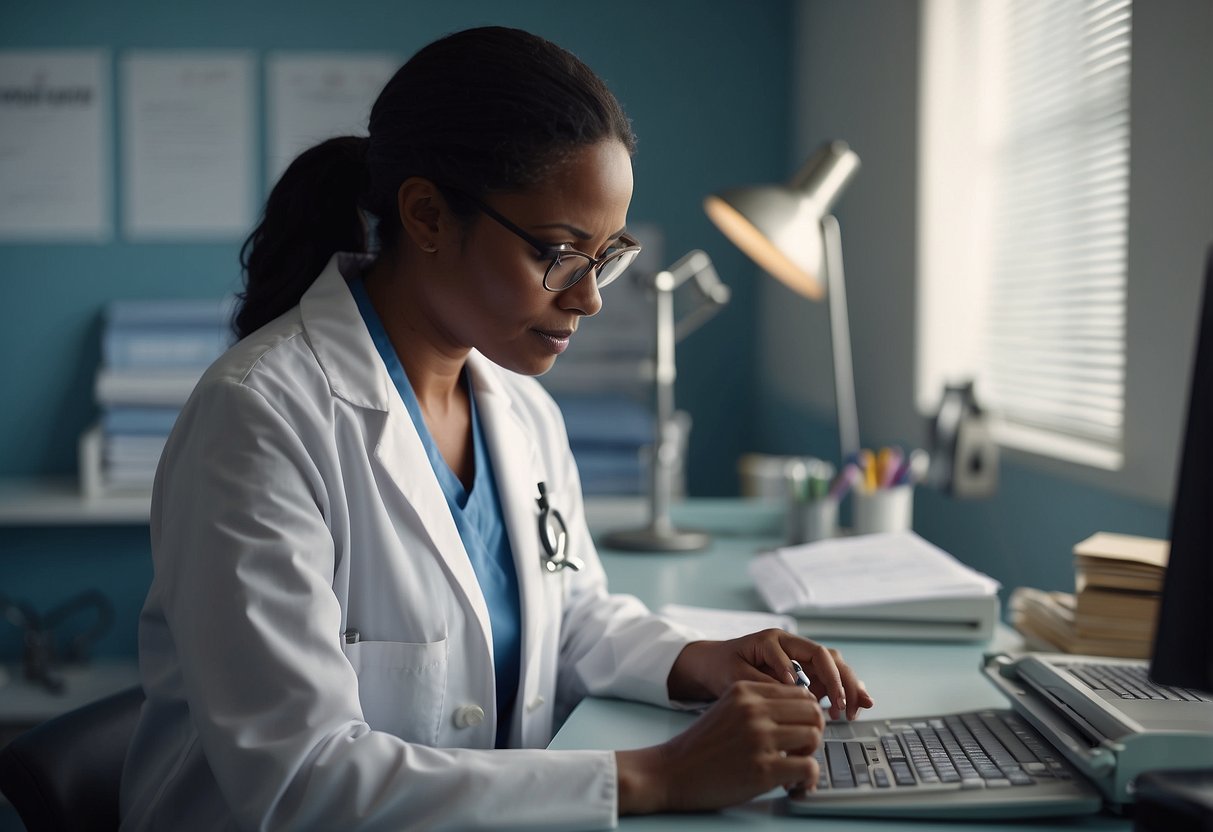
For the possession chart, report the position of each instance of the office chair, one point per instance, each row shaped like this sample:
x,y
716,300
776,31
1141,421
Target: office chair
x,y
64,774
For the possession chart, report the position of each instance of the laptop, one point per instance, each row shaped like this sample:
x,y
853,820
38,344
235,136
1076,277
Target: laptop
x,y
1080,729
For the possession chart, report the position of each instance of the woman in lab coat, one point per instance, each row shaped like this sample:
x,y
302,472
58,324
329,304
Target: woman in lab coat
x,y
375,595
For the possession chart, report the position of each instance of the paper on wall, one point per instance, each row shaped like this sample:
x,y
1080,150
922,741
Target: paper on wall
x,y
54,145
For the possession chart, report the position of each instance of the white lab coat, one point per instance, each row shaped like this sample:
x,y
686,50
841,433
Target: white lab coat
x,y
294,502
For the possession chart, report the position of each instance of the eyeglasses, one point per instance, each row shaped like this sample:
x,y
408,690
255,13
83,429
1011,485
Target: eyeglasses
x,y
568,265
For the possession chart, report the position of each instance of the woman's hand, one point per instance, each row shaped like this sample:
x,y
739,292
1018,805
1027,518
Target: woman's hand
x,y
705,669
757,736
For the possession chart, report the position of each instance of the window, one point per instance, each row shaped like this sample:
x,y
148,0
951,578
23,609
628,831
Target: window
x,y
1024,163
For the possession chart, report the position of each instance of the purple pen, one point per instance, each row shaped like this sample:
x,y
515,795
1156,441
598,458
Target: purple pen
x,y
902,475
894,460
844,481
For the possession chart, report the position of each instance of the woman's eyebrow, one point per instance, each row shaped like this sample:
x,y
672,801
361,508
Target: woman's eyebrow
x,y
579,233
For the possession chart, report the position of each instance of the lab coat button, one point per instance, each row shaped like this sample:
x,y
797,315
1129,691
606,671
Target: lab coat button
x,y
535,704
468,716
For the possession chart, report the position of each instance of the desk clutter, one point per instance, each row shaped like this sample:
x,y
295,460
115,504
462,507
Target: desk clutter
x,y
1118,583
152,354
893,585
880,483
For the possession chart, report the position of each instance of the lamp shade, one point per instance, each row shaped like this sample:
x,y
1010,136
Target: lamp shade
x,y
779,226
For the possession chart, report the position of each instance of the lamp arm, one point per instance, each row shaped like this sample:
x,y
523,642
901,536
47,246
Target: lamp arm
x,y
712,294
840,340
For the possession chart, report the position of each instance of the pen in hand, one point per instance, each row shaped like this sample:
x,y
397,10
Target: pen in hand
x,y
802,680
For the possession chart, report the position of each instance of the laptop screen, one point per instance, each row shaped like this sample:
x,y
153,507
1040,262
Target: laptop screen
x,y
1183,645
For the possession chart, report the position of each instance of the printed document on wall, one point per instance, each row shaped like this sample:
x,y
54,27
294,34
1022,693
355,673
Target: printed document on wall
x,y
54,145
316,96
187,125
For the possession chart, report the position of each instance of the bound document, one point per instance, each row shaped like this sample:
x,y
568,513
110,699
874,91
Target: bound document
x,y
887,586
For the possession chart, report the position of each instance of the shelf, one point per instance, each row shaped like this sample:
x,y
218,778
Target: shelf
x,y
51,501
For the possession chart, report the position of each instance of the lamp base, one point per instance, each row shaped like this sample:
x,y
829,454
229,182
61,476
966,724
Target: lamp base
x,y
656,539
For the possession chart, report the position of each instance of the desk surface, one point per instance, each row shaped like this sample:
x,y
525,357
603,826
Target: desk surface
x,y
905,678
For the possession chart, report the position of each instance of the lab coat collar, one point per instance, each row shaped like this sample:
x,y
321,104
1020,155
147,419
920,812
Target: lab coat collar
x,y
340,339
519,471
355,372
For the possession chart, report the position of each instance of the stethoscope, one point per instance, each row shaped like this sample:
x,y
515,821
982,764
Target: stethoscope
x,y
554,535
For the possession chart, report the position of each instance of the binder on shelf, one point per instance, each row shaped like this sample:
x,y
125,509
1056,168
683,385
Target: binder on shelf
x,y
887,586
100,479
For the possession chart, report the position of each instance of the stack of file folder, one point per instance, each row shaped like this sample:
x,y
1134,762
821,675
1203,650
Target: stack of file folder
x,y
152,354
890,586
611,437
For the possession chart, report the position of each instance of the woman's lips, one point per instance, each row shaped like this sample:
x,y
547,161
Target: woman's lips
x,y
556,339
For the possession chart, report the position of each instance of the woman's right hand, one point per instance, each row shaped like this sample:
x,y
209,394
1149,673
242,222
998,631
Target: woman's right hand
x,y
756,737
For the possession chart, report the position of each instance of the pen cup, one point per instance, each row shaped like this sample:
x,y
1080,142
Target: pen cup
x,y
812,520
883,510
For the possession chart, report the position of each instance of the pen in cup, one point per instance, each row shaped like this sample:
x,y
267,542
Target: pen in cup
x,y
844,481
913,468
888,462
867,466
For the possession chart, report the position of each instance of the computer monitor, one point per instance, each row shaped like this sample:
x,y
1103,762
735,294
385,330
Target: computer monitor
x,y
1183,643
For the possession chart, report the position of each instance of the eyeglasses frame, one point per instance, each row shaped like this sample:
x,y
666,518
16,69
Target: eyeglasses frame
x,y
545,249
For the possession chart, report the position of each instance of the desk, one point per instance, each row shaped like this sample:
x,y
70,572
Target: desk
x,y
905,678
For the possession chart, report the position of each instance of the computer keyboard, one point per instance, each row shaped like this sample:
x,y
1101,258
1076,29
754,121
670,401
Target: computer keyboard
x,y
985,749
1129,681
988,764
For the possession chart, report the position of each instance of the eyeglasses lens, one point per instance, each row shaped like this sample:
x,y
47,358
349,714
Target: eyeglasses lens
x,y
571,267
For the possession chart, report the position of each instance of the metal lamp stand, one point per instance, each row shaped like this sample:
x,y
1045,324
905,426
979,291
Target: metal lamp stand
x,y
660,535
840,340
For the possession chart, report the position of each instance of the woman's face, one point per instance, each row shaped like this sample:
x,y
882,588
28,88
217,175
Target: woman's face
x,y
495,301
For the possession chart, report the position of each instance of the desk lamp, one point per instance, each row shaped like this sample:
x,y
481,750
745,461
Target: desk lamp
x,y
788,231
667,459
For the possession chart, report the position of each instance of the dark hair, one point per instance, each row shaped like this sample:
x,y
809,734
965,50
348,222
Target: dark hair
x,y
482,110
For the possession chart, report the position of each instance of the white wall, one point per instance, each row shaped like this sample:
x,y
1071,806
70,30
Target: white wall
x,y
856,64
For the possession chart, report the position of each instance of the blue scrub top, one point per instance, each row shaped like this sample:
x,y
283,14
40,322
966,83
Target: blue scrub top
x,y
478,517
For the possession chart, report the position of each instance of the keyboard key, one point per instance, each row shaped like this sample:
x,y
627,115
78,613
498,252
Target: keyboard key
x,y
836,759
972,783
902,774
881,778
1007,737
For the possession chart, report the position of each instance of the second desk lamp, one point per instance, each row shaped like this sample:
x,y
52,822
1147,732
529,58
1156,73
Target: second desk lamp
x,y
668,448
788,231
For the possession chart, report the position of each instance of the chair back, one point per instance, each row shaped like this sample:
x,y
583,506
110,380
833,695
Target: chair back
x,y
65,773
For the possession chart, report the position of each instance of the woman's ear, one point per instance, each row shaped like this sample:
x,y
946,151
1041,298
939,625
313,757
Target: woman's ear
x,y
424,213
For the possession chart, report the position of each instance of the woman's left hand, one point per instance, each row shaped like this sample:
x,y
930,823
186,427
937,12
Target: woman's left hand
x,y
705,669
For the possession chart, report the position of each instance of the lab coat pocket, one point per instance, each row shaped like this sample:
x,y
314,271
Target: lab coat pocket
x,y
402,686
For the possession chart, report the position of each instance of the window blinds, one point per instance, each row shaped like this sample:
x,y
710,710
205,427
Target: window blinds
x,y
1051,136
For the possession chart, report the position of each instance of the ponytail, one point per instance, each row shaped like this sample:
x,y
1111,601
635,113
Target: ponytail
x,y
311,213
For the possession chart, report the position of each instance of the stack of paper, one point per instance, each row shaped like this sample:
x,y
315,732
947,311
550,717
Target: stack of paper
x,y
893,585
1119,585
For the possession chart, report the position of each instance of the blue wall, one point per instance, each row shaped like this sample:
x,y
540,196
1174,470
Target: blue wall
x,y
707,86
